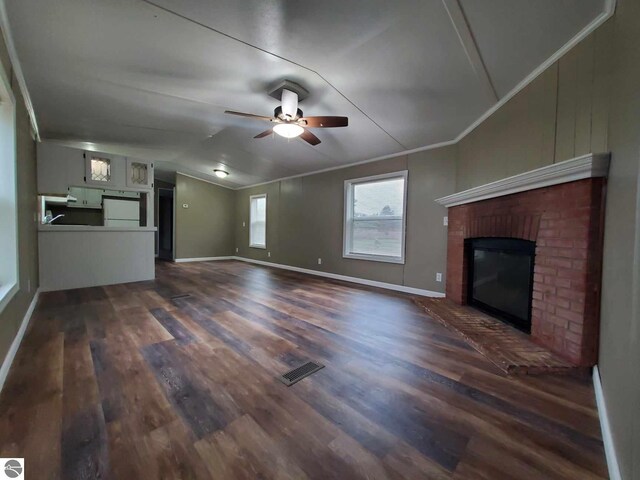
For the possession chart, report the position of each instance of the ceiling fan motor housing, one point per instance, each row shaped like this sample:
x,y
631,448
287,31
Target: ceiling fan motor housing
x,y
277,113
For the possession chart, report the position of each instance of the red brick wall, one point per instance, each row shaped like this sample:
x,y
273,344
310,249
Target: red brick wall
x,y
566,222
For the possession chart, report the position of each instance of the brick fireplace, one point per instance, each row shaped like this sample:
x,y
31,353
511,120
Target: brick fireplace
x,y
565,220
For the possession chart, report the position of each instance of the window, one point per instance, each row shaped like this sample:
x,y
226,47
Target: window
x,y
258,221
8,204
374,219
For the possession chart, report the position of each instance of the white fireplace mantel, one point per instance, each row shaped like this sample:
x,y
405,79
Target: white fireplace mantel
x,y
586,166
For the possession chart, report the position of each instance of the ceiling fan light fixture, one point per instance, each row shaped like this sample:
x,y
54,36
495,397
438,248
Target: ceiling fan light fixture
x,y
220,173
288,130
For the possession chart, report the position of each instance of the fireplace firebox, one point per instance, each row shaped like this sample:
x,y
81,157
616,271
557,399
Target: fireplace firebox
x,y
500,278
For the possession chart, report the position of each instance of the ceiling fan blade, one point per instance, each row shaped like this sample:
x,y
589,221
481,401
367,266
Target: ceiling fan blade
x,y
289,103
249,115
309,137
325,122
266,133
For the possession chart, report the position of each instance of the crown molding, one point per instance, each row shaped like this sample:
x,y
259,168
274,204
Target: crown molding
x,y
586,166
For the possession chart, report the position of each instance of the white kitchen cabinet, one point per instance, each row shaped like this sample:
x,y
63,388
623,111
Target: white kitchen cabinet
x,y
61,167
121,194
93,197
139,173
58,168
99,169
86,197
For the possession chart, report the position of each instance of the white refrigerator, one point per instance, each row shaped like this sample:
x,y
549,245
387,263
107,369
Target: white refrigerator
x,y
121,213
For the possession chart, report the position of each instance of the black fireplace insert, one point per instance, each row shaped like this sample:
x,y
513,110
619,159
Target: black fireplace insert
x,y
500,278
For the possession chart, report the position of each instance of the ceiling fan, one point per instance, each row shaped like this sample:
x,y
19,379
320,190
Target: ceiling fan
x,y
289,121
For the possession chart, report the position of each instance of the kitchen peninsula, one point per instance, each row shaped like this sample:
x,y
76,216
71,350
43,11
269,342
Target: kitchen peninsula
x,y
96,212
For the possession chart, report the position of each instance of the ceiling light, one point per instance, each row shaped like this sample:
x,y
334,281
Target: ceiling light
x,y
220,173
288,130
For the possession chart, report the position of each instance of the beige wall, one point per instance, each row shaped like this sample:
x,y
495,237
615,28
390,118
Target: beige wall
x,y
586,102
205,229
589,101
620,314
11,317
305,220
562,114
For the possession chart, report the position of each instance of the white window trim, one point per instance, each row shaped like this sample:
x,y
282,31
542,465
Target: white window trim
x,y
257,245
11,287
348,218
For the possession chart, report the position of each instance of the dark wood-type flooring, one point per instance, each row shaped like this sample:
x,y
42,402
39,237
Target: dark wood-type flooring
x,y
509,349
125,382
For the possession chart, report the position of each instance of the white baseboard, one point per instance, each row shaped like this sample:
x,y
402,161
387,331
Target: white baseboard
x,y
11,354
345,278
607,438
202,259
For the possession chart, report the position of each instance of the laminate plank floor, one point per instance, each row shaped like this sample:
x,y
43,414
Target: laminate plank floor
x,y
176,379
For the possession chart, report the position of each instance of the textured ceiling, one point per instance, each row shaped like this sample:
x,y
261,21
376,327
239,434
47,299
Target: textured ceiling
x,y
152,79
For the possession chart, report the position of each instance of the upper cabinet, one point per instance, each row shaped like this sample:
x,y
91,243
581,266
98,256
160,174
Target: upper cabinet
x,y
60,168
139,173
99,169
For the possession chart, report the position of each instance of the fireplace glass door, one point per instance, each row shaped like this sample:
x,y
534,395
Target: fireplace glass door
x,y
500,278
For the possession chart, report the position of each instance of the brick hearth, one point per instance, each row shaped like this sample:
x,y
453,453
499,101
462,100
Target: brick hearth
x,y
566,222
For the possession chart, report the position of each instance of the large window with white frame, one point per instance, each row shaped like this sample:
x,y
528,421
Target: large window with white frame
x,y
374,217
8,203
258,221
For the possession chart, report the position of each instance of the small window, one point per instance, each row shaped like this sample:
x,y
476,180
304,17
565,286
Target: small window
x,y
258,221
374,221
100,169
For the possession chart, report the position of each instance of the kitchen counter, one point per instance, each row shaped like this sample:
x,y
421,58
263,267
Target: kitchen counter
x,y
91,228
79,256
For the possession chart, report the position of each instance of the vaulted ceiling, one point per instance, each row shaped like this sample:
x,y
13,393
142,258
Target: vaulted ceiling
x,y
152,78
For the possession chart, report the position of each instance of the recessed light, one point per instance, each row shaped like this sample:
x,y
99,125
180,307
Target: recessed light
x,y
220,173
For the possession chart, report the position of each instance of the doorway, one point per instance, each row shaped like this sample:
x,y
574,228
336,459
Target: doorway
x,y
166,215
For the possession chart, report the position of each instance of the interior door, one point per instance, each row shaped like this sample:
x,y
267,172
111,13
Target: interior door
x,y
165,224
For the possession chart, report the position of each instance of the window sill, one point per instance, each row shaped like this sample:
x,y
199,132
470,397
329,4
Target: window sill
x,y
263,247
374,258
7,292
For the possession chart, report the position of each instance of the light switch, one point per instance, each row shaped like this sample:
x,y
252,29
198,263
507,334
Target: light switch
x,y
445,221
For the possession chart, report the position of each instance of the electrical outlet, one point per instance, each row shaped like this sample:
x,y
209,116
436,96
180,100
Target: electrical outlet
x,y
319,261
268,254
244,224
445,221
236,249
438,277
185,205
